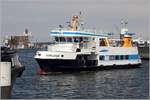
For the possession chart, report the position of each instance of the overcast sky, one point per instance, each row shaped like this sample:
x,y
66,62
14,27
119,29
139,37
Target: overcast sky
x,y
40,16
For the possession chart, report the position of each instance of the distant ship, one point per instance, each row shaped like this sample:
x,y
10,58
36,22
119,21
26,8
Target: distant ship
x,y
143,47
76,48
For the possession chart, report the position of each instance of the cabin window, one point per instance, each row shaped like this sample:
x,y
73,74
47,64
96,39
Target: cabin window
x,y
121,57
126,57
117,57
111,58
101,57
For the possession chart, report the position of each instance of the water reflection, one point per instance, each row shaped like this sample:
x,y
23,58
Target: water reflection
x,y
106,84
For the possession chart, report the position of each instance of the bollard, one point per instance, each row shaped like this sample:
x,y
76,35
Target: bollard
x,y
5,80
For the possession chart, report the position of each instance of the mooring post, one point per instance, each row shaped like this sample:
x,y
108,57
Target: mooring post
x,y
5,80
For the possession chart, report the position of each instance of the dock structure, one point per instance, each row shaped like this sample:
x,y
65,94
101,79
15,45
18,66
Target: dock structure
x,y
10,69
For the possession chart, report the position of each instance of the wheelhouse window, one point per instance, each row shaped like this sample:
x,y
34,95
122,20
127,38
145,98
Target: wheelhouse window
x,y
56,39
76,39
85,39
62,39
69,39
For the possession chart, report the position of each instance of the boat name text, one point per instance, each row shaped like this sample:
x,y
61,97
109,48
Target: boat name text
x,y
53,55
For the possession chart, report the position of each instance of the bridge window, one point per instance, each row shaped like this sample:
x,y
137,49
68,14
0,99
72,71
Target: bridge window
x,y
81,39
62,39
121,57
76,39
69,39
57,39
86,39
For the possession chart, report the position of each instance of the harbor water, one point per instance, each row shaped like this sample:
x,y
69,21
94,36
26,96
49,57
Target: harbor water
x,y
131,83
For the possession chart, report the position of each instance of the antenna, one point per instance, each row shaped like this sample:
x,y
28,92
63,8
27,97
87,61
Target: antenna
x,y
117,29
69,24
60,26
124,23
81,23
80,13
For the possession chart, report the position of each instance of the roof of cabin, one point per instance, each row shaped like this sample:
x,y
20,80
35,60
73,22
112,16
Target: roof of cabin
x,y
75,33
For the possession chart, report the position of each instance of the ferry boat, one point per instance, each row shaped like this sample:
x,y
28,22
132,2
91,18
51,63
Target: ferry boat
x,y
79,49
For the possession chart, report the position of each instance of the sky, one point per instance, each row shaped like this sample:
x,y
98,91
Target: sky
x,y
41,16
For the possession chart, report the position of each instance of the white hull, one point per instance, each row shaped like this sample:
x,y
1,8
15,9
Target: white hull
x,y
60,61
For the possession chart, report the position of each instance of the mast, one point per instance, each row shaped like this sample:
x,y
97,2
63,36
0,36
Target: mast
x,y
77,22
74,23
124,29
125,37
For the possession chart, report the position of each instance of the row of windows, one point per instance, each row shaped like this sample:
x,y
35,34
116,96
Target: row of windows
x,y
72,39
118,57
